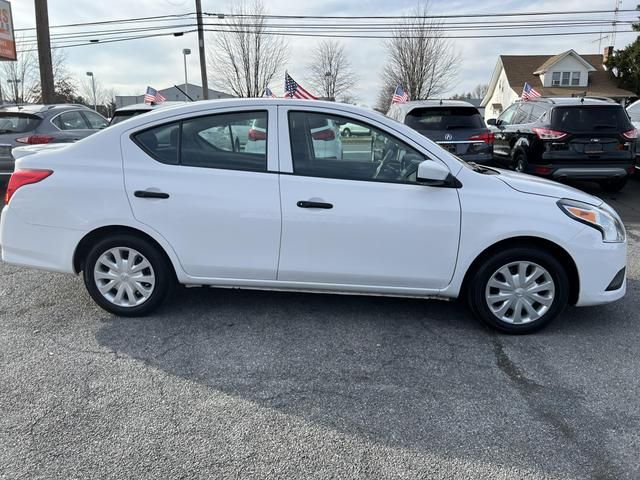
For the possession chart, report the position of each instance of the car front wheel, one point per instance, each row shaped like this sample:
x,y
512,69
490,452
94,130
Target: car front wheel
x,y
127,275
519,290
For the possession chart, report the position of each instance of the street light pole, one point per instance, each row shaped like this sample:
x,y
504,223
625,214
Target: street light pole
x,y
93,87
185,52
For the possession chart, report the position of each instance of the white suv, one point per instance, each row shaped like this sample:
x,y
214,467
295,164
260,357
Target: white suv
x,y
152,201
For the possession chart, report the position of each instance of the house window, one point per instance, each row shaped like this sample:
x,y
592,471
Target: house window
x,y
555,79
566,78
575,78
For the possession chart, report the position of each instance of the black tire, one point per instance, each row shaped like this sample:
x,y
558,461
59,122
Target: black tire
x,y
346,133
520,163
614,186
163,272
477,286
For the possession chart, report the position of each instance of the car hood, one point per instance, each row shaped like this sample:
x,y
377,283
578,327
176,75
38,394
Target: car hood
x,y
19,152
541,186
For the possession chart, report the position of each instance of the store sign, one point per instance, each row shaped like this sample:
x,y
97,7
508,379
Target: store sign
x,y
7,40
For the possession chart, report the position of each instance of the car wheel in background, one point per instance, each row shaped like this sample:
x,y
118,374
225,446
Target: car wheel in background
x,y
127,275
346,133
613,186
520,163
519,290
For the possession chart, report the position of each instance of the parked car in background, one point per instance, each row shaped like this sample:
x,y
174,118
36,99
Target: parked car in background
x,y
455,125
149,202
567,138
634,113
43,124
349,129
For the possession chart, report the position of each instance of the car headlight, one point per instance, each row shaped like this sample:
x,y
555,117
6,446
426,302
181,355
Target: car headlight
x,y
603,218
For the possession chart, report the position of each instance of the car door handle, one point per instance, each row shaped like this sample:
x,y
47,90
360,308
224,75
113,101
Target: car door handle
x,y
307,204
148,194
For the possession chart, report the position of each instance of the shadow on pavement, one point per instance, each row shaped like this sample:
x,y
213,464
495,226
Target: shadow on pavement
x,y
403,373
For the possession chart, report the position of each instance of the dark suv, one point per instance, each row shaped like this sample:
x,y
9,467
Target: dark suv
x,y
567,138
455,125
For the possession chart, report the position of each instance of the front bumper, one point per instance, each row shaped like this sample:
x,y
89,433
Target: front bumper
x,y
598,264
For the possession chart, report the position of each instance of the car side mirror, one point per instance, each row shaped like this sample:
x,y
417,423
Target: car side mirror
x,y
493,121
435,174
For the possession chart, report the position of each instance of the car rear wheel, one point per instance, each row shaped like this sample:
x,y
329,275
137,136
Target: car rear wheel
x,y
127,275
346,132
519,290
614,186
520,163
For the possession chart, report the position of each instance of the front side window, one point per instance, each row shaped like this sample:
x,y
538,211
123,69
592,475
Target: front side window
x,y
507,116
318,151
95,121
232,141
70,121
523,115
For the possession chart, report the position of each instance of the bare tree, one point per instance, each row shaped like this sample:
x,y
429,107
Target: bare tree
x,y
480,90
330,71
244,58
19,79
419,59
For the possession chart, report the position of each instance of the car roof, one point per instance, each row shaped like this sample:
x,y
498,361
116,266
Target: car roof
x,y
38,108
575,101
408,106
146,107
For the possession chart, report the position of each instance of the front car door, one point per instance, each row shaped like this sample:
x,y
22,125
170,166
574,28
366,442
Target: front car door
x,y
501,147
360,219
218,207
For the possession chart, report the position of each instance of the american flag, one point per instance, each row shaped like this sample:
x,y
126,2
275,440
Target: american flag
x,y
399,96
268,93
293,90
528,92
153,96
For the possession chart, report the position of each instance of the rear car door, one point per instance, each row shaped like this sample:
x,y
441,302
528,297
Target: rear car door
x,y
219,208
361,220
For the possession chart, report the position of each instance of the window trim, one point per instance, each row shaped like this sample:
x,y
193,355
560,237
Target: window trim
x,y
180,121
357,120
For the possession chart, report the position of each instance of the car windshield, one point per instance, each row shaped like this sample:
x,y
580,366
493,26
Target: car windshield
x,y
590,118
124,115
11,122
444,118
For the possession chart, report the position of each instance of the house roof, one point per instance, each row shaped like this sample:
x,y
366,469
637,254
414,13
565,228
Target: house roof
x,y
520,69
556,58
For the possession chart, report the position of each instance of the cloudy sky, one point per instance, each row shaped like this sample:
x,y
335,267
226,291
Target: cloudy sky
x,y
128,67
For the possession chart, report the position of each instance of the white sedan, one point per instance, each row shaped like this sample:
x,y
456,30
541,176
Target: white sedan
x,y
156,200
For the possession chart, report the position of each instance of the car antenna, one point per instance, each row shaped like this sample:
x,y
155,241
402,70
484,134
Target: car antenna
x,y
184,93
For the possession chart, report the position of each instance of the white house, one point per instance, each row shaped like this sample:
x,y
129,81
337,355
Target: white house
x,y
564,75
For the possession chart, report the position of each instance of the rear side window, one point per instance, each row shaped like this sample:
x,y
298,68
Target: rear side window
x,y
590,118
227,141
18,122
95,121
444,118
70,121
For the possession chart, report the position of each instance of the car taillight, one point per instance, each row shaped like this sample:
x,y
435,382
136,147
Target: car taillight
x,y
486,137
35,139
20,178
255,135
325,135
631,134
548,134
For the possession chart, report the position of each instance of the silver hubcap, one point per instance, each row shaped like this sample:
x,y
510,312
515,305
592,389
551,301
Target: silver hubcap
x,y
520,292
124,277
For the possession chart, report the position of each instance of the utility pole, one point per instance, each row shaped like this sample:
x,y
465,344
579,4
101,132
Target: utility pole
x,y
44,50
203,60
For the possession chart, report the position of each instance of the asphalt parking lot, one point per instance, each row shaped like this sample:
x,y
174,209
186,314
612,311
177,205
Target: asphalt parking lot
x,y
243,384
